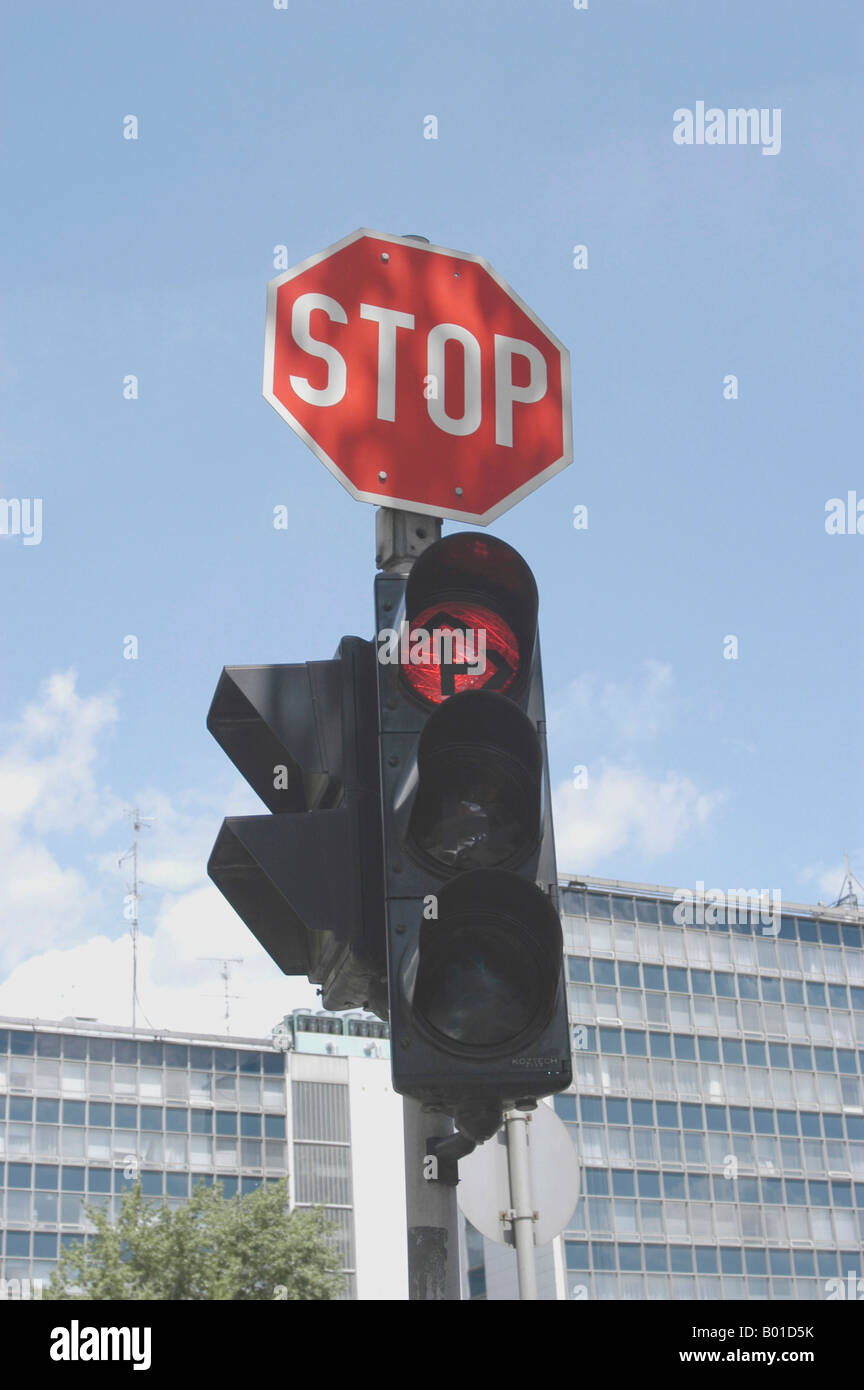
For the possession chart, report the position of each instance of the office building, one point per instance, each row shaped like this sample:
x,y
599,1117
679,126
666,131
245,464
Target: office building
x,y
717,1102
85,1108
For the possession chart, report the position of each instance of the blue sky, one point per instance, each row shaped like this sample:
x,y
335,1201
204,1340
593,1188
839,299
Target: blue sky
x,y
260,127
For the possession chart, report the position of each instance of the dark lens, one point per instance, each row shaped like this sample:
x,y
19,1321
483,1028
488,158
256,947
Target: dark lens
x,y
478,984
478,802
478,809
488,968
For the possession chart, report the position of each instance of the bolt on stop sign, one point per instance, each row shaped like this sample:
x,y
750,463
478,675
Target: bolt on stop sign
x,y
418,377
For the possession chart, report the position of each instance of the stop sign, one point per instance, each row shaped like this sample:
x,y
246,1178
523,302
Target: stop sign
x,y
417,376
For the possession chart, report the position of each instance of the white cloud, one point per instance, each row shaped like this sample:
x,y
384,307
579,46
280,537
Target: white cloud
x,y
63,937
47,777
48,785
51,803
623,811
176,988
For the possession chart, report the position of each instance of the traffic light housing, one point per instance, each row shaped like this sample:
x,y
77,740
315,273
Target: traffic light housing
x,y
478,1014
307,878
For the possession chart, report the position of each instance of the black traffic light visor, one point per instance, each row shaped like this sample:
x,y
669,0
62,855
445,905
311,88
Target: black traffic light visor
x,y
279,726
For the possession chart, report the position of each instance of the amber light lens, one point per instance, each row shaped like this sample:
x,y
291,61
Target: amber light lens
x,y
480,775
468,647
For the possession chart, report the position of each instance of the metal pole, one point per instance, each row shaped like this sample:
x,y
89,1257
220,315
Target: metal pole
x,y
433,1225
521,1203
432,1220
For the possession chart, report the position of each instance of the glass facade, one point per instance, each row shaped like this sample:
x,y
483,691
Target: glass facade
x,y
718,1099
83,1114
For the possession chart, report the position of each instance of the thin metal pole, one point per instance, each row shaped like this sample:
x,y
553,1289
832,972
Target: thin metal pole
x,y
433,1223
521,1203
430,1206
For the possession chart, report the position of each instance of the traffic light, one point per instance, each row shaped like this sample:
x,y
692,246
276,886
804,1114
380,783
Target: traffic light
x,y
478,1014
307,879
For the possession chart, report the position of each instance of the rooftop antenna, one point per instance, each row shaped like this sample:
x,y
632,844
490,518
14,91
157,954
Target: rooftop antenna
x,y
226,962
130,903
848,897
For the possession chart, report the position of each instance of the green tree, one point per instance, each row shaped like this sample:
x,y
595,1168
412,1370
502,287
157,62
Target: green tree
x,y
212,1248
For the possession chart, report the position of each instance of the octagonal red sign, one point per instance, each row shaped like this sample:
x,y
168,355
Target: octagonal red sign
x,y
417,376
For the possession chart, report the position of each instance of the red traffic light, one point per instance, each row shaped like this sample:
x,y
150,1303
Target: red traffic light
x,y
454,646
470,619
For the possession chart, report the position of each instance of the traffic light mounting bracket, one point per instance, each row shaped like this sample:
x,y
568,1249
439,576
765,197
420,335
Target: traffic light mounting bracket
x,y
447,1151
